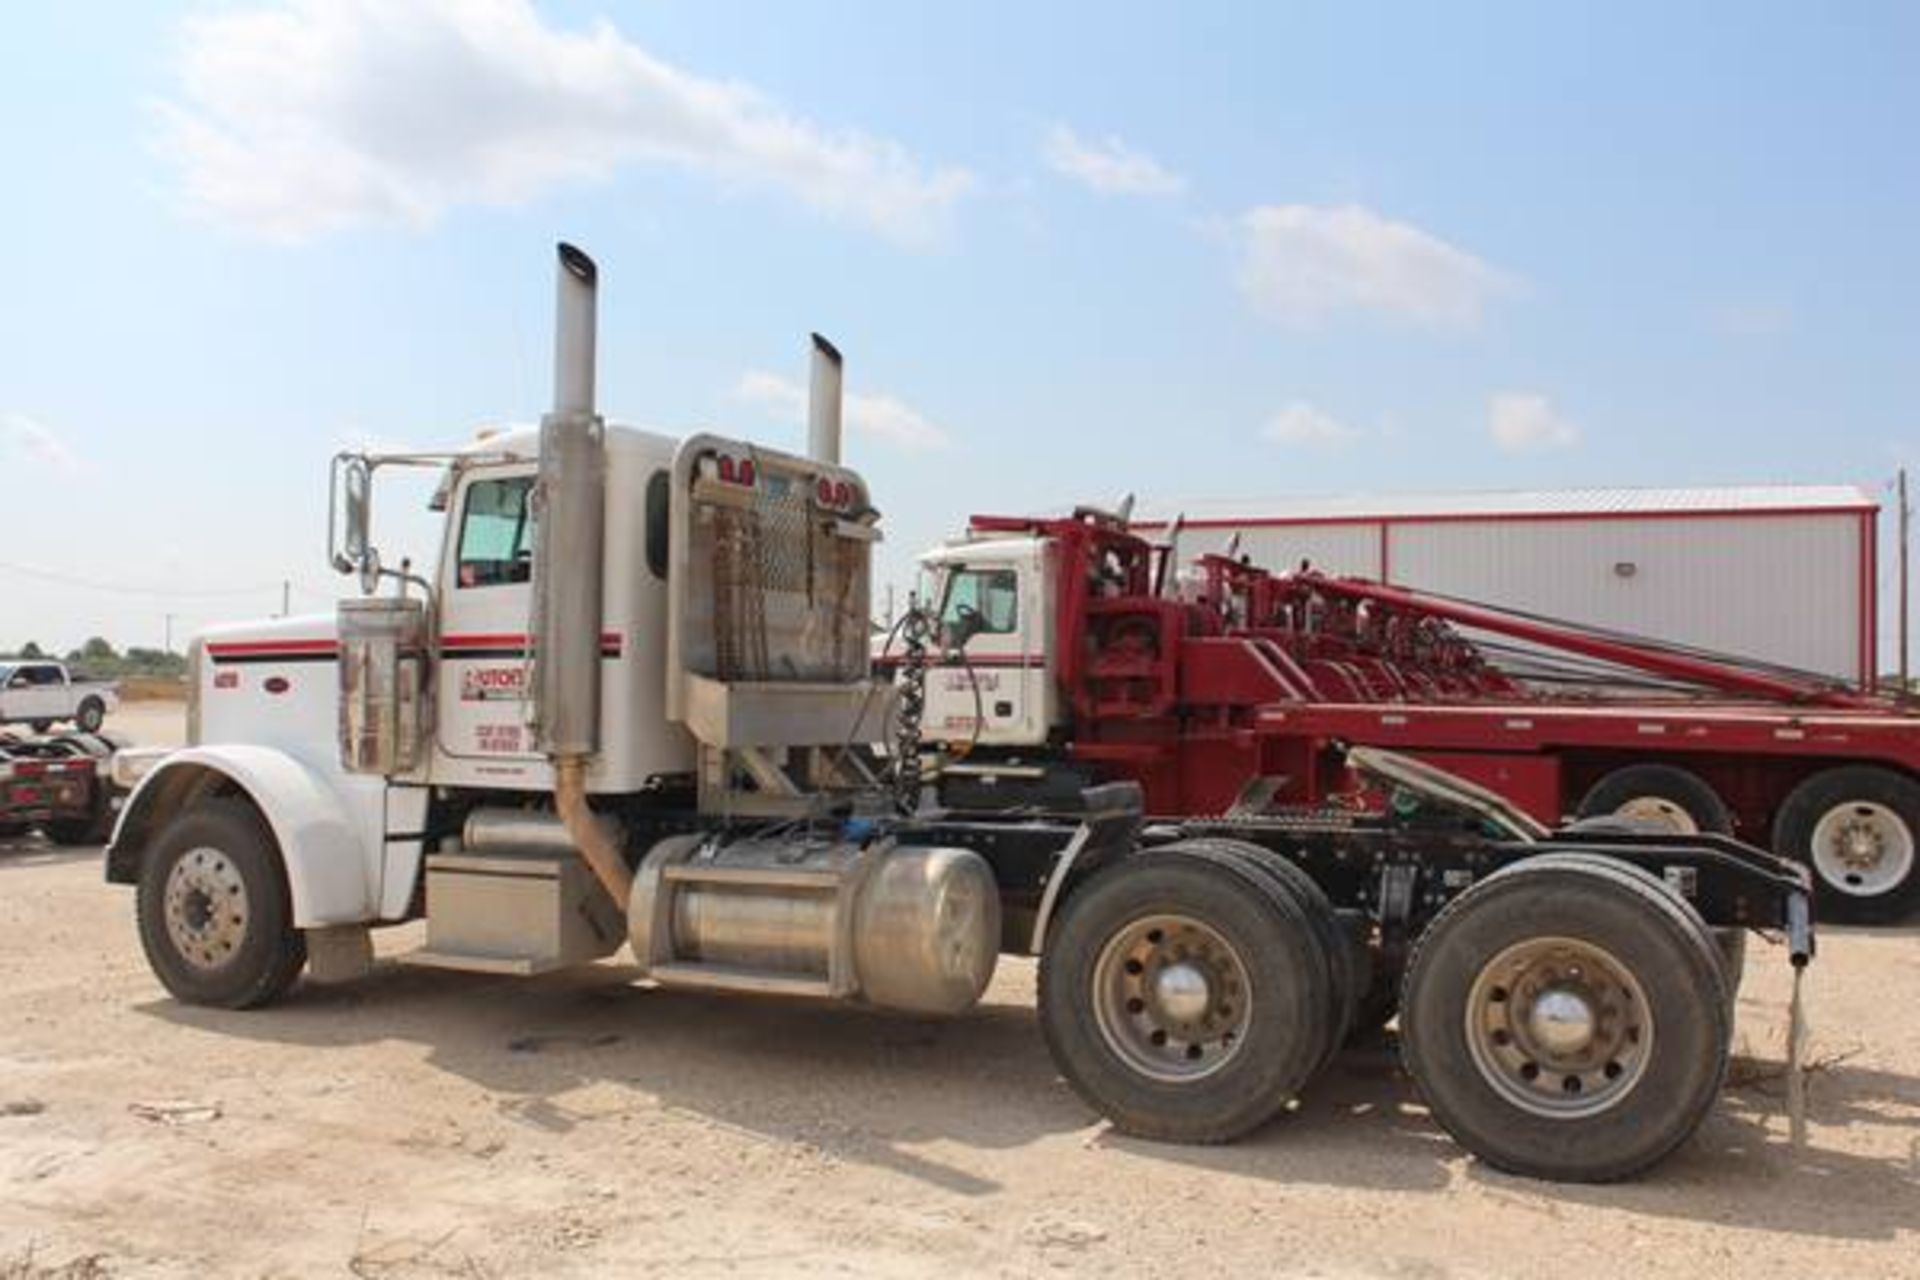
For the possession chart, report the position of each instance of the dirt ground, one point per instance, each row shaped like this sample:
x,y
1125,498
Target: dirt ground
x,y
422,1123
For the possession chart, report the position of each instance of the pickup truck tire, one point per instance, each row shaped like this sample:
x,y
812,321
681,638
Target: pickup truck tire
x,y
1567,1018
91,714
1858,827
1677,799
215,916
1185,996
41,726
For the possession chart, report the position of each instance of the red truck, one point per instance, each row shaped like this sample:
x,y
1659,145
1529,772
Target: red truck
x,y
1071,652
59,784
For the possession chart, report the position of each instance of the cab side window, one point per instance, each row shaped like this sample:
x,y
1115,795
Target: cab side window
x,y
496,533
981,602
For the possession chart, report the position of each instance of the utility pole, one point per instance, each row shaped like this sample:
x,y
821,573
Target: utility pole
x,y
286,586
169,640
1906,519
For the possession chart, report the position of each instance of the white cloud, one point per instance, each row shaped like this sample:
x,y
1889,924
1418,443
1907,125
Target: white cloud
x,y
1109,165
25,442
881,416
1523,420
291,123
1300,423
1302,263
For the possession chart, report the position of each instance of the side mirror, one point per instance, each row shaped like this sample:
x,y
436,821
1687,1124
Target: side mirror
x,y
350,521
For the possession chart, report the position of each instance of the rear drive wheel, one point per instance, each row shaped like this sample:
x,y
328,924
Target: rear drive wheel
x,y
1567,1018
1855,825
1350,966
91,715
1185,996
1662,797
215,919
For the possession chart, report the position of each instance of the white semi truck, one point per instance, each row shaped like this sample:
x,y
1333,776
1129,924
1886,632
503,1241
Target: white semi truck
x,y
628,706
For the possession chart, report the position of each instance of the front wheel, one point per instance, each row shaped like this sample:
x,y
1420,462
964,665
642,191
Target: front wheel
x,y
1567,1018
215,918
92,714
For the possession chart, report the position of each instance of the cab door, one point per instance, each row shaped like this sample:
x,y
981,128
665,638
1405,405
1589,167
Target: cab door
x,y
486,599
992,668
43,695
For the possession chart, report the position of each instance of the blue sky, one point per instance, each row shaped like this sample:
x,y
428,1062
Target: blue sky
x,y
1070,251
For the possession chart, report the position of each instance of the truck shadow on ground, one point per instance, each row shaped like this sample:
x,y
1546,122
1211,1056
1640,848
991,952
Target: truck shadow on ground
x,y
868,1088
37,851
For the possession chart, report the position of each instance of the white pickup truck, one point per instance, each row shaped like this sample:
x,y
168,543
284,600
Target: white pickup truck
x,y
41,693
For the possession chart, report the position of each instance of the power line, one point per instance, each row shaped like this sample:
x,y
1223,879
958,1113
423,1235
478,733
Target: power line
x,y
70,580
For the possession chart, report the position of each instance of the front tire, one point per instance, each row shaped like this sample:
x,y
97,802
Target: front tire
x,y
91,715
1567,1018
215,916
1856,827
1186,996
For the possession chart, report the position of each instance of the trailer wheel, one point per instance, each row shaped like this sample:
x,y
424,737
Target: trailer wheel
x,y
215,918
1675,798
1855,825
1567,1018
1185,996
91,715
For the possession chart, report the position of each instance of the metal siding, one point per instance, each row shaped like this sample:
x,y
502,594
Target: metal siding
x,y
1520,504
1340,548
1784,588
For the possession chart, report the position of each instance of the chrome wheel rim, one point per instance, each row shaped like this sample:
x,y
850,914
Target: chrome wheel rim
x,y
206,908
1171,998
1862,848
1559,1027
1657,809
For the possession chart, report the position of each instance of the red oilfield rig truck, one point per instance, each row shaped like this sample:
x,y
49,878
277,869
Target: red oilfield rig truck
x,y
1070,653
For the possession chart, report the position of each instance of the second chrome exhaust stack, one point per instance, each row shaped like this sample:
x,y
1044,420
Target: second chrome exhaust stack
x,y
823,403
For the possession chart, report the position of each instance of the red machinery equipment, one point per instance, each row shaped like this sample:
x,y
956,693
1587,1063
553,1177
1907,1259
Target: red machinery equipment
x,y
1239,686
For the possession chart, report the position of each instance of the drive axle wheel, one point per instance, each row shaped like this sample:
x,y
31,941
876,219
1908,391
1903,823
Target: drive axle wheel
x,y
215,919
1170,997
1567,1018
1185,995
1559,1026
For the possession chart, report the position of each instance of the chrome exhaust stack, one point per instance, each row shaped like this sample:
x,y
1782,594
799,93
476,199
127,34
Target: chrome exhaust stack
x,y
567,551
823,403
567,572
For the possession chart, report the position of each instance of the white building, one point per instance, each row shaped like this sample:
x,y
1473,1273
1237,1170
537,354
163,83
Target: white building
x,y
1783,573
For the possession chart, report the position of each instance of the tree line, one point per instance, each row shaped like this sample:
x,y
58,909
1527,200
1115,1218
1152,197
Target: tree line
x,y
97,659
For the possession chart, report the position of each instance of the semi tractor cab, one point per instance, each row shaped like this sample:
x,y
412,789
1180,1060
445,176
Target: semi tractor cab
x,y
631,705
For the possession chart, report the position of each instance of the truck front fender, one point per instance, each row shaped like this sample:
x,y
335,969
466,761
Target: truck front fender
x,y
330,872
